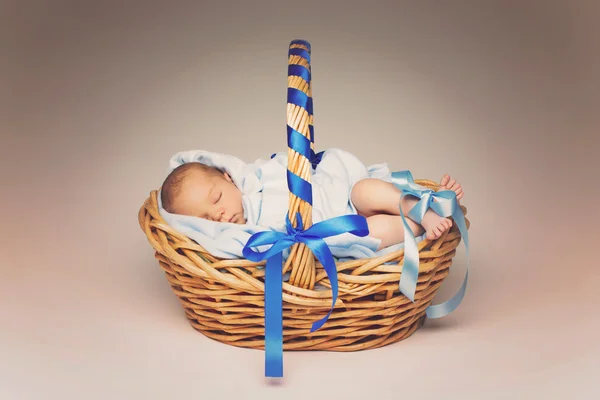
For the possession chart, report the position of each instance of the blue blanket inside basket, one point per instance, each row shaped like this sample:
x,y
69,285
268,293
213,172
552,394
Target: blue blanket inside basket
x,y
265,197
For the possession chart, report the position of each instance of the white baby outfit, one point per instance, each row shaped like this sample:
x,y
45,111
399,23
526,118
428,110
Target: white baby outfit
x,y
265,197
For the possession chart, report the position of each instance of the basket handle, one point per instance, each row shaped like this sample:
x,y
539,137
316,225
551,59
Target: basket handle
x,y
300,139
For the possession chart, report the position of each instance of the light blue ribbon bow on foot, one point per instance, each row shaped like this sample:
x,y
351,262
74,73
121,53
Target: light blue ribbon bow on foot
x,y
445,204
313,238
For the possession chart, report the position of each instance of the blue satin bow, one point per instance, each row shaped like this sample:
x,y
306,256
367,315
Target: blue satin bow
x,y
445,204
313,238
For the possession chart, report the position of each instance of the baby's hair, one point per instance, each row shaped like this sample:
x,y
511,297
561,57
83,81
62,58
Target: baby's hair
x,y
172,185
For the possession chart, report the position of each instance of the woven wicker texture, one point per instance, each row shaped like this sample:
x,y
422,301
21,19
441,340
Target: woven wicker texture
x,y
224,299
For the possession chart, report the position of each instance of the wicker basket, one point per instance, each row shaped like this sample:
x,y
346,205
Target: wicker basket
x,y
224,299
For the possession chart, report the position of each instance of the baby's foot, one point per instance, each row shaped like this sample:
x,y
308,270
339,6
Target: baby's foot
x,y
450,184
435,225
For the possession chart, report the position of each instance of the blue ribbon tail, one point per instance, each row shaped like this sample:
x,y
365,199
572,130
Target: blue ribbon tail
x,y
323,254
443,309
410,267
274,317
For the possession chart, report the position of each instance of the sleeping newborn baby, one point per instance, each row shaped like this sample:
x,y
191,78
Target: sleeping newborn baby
x,y
216,195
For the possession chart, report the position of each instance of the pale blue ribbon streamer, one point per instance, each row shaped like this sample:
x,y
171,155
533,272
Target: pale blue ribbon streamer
x,y
445,204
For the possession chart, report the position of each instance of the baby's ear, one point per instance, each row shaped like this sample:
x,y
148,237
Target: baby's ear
x,y
226,175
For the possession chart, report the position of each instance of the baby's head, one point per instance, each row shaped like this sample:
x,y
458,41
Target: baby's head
x,y
198,190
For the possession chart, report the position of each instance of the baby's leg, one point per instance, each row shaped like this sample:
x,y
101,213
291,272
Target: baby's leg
x,y
389,229
373,196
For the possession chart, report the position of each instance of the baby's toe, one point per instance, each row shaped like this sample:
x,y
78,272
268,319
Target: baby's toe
x,y
445,180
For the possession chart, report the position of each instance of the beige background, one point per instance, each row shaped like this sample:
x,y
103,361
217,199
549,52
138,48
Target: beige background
x,y
96,96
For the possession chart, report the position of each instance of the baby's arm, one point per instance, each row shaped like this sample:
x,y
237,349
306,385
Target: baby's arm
x,y
390,229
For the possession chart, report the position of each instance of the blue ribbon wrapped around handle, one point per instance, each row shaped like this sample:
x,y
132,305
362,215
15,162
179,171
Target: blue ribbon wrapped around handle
x,y
445,204
314,159
313,239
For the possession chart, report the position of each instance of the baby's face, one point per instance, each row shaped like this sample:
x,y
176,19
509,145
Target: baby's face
x,y
211,197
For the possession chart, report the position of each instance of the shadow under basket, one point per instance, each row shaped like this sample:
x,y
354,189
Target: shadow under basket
x,y
224,299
